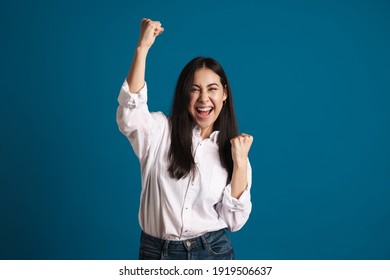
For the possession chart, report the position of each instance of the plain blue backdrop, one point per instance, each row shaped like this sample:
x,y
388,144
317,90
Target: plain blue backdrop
x,y
310,81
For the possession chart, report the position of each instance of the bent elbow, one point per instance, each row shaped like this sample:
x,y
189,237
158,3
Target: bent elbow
x,y
238,220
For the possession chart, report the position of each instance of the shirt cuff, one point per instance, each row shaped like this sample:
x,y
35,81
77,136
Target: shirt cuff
x,y
132,99
243,203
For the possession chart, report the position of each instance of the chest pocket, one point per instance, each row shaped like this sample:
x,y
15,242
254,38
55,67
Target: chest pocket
x,y
218,181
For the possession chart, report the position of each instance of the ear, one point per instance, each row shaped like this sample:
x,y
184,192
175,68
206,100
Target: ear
x,y
225,96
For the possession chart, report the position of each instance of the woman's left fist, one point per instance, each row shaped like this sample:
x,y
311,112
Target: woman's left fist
x,y
241,145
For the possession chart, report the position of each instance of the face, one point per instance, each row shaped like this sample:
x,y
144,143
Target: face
x,y
206,101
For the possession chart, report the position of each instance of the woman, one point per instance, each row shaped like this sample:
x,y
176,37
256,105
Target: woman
x,y
196,174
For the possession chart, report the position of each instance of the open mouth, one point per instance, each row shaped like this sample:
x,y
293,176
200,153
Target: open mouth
x,y
204,112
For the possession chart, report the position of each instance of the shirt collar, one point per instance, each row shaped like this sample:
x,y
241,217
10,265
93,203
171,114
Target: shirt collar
x,y
213,136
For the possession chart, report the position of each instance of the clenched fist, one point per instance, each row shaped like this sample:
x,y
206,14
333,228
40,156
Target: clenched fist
x,y
149,31
240,148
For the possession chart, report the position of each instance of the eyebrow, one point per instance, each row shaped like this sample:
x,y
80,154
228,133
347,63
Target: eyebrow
x,y
213,84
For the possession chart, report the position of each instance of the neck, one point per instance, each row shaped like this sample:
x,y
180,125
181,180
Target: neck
x,y
206,132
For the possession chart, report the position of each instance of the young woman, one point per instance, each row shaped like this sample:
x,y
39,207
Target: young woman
x,y
196,175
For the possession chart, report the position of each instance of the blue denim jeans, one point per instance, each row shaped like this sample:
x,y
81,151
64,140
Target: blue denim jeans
x,y
214,245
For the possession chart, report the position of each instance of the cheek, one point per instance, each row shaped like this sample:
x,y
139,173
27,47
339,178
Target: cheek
x,y
218,102
191,105
192,101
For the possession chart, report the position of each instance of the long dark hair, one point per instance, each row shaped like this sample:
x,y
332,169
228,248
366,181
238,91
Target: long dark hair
x,y
180,153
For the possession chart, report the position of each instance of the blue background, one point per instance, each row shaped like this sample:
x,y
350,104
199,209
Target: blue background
x,y
310,81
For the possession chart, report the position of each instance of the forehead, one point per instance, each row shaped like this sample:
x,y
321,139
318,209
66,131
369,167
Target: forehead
x,y
205,76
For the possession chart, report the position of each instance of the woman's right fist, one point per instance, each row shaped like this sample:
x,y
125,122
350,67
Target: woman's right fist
x,y
149,31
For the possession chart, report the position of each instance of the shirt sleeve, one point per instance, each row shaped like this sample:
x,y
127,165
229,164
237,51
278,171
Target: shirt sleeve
x,y
135,121
235,212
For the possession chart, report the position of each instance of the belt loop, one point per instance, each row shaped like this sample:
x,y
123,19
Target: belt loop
x,y
166,247
204,242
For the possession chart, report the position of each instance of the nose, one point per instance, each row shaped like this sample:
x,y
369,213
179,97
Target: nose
x,y
203,97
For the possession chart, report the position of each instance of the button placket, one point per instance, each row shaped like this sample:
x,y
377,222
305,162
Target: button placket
x,y
192,189
186,212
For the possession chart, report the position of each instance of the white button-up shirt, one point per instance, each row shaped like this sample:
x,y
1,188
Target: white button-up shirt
x,y
175,209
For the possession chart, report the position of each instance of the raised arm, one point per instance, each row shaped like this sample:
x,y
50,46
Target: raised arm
x,y
240,149
133,117
236,205
149,31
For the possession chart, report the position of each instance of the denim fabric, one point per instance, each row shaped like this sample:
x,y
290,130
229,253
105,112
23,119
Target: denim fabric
x,y
210,246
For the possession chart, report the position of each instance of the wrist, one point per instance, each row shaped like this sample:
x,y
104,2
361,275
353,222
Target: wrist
x,y
142,50
241,163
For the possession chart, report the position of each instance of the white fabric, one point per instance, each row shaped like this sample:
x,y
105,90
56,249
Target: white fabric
x,y
178,209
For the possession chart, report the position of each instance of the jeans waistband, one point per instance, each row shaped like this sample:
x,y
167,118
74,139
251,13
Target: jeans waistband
x,y
181,245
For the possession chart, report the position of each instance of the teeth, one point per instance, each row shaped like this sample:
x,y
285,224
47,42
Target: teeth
x,y
204,109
